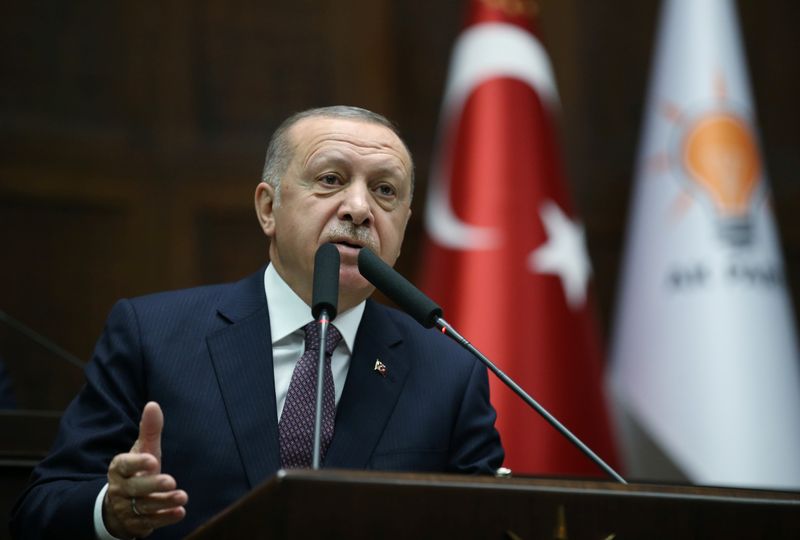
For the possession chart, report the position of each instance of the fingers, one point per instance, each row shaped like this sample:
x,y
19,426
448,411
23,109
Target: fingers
x,y
150,428
139,484
146,524
162,503
128,465
151,512
139,498
134,477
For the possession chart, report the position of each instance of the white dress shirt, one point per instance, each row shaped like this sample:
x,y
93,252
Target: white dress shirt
x,y
288,314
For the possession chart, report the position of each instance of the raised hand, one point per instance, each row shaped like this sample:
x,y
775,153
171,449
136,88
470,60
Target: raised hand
x,y
139,498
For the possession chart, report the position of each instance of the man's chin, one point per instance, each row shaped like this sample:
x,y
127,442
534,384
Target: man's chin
x,y
353,287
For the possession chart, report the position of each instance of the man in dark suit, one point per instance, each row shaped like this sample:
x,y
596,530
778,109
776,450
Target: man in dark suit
x,y
195,392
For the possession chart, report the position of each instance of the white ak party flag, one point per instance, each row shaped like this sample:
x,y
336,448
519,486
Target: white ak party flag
x,y
704,376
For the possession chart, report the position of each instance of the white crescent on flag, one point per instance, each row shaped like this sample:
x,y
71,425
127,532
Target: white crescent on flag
x,y
482,52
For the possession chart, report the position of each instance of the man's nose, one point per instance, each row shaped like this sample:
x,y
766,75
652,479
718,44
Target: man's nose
x,y
355,205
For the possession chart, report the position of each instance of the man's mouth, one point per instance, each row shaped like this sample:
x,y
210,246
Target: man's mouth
x,y
348,244
348,249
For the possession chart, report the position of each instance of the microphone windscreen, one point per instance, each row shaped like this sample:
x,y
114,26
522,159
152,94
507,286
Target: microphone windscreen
x,y
325,294
398,289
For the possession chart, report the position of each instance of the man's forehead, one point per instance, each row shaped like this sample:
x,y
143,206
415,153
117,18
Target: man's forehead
x,y
312,132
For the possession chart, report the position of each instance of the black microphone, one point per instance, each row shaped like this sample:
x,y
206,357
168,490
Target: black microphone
x,y
398,289
429,314
324,303
325,294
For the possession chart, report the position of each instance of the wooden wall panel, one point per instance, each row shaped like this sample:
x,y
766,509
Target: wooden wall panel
x,y
227,241
66,260
230,244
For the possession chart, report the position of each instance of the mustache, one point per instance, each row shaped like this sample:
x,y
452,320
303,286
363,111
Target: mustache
x,y
346,231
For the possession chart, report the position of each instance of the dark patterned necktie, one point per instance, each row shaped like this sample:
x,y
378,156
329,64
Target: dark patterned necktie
x,y
296,426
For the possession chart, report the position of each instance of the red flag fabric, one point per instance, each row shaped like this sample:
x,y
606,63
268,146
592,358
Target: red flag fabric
x,y
505,256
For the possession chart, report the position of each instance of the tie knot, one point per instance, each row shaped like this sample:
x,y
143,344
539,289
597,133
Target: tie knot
x,y
332,339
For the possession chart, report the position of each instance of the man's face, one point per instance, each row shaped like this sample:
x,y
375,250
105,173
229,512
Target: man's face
x,y
349,183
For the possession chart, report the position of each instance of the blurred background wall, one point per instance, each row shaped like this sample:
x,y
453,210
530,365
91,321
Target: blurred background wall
x,y
132,136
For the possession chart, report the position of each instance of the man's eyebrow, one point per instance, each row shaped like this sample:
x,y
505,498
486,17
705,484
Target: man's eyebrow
x,y
390,170
326,159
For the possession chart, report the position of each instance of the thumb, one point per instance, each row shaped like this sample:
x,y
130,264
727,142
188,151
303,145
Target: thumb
x,y
150,428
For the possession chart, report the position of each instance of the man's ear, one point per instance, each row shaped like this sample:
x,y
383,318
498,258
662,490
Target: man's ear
x,y
265,204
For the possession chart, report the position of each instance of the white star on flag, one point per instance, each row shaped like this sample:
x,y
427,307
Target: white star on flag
x,y
564,254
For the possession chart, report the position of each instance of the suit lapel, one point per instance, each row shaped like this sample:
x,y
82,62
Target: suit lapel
x,y
368,398
242,357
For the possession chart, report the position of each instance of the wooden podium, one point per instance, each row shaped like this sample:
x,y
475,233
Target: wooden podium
x,y
369,505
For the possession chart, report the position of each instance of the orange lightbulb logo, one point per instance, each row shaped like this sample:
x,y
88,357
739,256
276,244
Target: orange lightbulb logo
x,y
721,155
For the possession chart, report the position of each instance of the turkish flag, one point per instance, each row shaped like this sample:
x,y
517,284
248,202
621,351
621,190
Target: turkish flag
x,y
505,255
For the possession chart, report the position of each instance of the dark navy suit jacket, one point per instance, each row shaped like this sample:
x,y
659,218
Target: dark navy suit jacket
x,y
205,355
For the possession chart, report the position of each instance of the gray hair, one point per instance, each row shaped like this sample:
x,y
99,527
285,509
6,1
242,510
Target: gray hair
x,y
281,148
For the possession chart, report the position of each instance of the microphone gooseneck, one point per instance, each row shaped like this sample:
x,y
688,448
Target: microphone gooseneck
x,y
429,314
324,304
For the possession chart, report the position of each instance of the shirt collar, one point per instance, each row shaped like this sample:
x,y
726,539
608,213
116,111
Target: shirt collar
x,y
288,313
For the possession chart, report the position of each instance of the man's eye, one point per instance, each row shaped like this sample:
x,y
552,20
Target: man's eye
x,y
386,190
329,179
